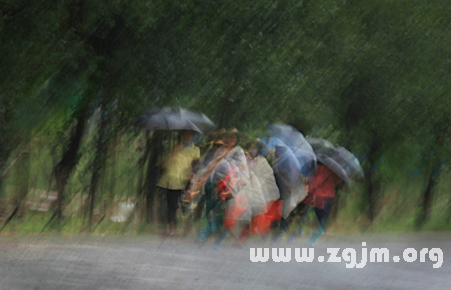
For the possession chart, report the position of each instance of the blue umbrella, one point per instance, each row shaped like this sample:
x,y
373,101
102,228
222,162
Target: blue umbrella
x,y
287,171
299,146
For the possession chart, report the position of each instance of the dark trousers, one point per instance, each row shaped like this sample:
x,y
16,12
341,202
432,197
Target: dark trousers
x,y
172,198
284,224
323,213
214,211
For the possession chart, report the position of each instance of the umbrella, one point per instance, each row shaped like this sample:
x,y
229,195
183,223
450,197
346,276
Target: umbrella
x,y
198,119
333,166
298,145
287,172
174,119
350,163
321,146
285,158
346,160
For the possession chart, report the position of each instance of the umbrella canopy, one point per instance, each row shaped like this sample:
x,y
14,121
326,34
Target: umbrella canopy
x,y
287,172
333,166
321,146
298,145
285,157
346,160
174,119
350,164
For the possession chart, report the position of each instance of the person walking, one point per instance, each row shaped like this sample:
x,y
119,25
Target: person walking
x,y
177,168
321,194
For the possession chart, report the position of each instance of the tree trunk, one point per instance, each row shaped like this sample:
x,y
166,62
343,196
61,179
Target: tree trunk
x,y
141,163
427,198
22,175
99,163
111,183
370,186
152,175
370,192
70,159
2,198
8,141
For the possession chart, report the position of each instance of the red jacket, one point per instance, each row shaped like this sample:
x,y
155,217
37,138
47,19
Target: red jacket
x,y
321,187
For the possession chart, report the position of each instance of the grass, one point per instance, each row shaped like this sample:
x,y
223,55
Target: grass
x,y
398,203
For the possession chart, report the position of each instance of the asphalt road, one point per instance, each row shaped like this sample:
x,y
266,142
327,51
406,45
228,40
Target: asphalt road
x,y
125,262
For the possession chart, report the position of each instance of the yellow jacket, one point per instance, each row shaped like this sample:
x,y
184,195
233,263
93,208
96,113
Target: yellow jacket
x,y
178,168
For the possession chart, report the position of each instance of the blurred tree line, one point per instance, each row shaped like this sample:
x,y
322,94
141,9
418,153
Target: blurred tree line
x,y
369,75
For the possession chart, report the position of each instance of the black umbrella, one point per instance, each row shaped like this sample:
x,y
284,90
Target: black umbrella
x,y
174,119
321,146
333,166
348,163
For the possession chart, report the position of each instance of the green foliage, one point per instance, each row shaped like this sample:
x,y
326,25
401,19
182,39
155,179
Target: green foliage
x,y
369,75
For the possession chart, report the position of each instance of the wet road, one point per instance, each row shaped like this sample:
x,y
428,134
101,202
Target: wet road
x,y
143,263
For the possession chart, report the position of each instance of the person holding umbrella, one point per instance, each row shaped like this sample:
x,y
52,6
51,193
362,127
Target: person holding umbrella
x,y
289,180
223,180
232,190
296,160
177,168
177,165
321,193
198,177
214,178
263,193
336,166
